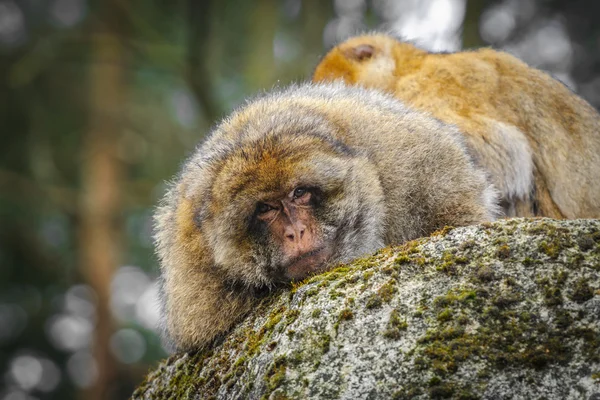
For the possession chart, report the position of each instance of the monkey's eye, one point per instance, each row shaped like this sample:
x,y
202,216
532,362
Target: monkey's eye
x,y
263,208
299,192
301,196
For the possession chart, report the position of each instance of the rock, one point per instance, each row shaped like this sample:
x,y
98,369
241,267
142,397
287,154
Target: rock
x,y
504,310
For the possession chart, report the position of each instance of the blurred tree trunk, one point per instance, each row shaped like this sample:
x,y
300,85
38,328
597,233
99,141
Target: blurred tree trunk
x,y
260,63
198,76
471,36
315,16
101,177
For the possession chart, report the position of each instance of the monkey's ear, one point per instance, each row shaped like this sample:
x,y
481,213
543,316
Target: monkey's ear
x,y
360,52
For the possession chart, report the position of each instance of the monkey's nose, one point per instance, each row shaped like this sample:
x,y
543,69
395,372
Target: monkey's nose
x,y
292,234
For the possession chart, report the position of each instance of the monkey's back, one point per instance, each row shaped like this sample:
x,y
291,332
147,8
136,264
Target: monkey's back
x,y
488,91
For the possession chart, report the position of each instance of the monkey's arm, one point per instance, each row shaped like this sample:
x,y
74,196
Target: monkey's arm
x,y
199,307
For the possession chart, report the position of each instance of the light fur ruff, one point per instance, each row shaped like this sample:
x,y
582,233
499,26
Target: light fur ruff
x,y
388,174
539,141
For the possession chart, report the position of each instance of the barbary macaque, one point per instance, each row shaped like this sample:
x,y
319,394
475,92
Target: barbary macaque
x,y
298,180
538,140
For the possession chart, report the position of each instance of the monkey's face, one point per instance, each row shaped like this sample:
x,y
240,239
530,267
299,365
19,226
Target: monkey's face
x,y
297,234
287,206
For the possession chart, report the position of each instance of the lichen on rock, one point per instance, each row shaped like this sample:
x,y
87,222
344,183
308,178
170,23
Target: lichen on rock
x,y
509,309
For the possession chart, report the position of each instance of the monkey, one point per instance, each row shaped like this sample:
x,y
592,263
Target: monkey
x,y
298,180
538,140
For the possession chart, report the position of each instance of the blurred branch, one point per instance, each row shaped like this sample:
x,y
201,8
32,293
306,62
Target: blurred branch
x,y
14,185
20,188
198,75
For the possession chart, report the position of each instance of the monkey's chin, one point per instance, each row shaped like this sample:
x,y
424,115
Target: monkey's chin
x,y
310,263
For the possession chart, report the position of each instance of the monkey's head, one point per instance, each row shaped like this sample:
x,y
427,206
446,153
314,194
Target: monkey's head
x,y
372,60
272,197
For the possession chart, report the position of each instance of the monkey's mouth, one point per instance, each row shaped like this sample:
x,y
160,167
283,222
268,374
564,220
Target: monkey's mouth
x,y
309,263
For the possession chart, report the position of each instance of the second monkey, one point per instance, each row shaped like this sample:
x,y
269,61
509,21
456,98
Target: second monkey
x,y
539,141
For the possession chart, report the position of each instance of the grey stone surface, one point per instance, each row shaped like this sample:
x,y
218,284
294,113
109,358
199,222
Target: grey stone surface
x,y
508,310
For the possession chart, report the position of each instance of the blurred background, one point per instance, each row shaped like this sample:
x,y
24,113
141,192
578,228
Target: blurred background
x,y
100,100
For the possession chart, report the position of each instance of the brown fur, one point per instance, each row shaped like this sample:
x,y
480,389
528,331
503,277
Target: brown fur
x,y
382,174
539,141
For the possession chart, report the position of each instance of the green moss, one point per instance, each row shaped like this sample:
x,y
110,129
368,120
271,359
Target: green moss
x,y
510,281
586,242
442,391
325,342
551,249
387,290
563,319
506,336
271,346
503,252
560,276
543,228
528,261
395,326
506,299
444,301
443,232
316,313
364,264
485,274
447,267
466,245
500,240
291,316
351,278
582,292
466,394
445,315
401,259
459,295
275,375
374,301
274,318
420,261
466,295
367,275
552,293
345,315
591,342
411,247
256,338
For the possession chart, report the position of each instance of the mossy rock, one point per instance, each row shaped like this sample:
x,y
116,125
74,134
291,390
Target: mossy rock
x,y
504,310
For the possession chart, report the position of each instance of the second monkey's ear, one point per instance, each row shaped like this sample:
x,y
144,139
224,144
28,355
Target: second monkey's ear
x,y
360,52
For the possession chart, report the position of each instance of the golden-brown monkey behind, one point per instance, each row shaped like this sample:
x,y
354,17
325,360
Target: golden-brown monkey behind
x,y
296,181
539,141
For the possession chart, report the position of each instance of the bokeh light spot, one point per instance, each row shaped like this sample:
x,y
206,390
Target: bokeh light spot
x,y
128,345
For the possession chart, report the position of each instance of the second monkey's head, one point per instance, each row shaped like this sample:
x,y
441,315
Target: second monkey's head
x,y
273,196
370,60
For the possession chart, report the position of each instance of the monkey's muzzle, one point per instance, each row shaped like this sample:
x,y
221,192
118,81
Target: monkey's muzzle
x,y
309,263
